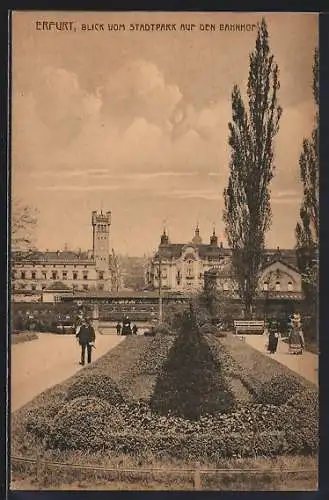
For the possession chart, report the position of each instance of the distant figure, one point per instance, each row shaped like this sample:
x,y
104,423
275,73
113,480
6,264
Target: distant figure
x,y
135,329
273,337
86,337
118,327
296,337
126,328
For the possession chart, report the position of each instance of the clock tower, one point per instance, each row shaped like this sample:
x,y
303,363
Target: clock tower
x,y
101,239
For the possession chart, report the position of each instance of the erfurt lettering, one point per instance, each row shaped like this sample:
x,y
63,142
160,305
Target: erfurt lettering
x,y
55,25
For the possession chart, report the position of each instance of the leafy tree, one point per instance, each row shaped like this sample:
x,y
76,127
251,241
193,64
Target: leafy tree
x,y
23,225
307,229
247,213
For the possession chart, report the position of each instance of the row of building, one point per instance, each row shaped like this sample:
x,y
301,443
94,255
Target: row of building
x,y
175,267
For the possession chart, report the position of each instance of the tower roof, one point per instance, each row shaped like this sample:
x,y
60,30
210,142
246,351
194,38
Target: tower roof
x,y
196,240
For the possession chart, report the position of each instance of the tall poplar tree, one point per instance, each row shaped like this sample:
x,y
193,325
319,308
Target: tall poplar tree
x,y
247,214
307,229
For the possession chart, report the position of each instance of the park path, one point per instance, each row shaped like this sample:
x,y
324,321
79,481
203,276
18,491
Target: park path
x,y
305,365
40,364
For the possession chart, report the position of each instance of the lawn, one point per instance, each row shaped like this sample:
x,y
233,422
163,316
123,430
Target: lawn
x,y
103,417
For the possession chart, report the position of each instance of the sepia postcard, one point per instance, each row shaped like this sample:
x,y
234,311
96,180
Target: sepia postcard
x,y
164,251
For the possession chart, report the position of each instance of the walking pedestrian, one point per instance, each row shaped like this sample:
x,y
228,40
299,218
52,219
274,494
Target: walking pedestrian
x,y
118,327
86,337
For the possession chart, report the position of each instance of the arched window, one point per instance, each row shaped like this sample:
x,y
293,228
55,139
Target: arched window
x,y
290,286
265,286
225,286
277,286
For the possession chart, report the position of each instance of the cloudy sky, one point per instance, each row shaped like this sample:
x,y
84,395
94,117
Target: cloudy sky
x,y
137,123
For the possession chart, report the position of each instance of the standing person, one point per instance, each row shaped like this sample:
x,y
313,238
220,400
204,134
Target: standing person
x,y
273,337
126,328
118,327
135,329
296,337
86,337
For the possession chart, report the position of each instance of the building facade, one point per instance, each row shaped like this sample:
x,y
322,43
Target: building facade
x,y
37,272
182,267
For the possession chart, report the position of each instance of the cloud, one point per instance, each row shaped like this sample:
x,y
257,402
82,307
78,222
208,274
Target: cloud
x,y
137,89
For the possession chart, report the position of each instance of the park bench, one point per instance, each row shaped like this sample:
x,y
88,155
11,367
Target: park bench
x,y
249,326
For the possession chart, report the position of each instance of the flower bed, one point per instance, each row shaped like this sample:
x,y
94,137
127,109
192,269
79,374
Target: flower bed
x,y
254,430
254,369
92,423
140,380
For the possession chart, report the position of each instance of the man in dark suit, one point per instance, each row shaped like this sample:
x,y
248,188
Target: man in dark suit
x,y
86,337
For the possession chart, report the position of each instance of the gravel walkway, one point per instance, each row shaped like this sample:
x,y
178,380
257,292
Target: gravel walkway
x,y
305,364
47,361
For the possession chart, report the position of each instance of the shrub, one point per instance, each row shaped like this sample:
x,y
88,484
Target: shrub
x,y
97,385
190,383
82,424
154,355
278,390
38,418
208,328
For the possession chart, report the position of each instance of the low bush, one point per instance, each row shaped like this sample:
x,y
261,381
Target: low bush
x,y
95,385
38,418
83,424
278,390
208,328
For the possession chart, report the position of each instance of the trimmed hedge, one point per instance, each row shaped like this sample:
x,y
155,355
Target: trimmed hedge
x,y
190,383
278,390
95,385
82,424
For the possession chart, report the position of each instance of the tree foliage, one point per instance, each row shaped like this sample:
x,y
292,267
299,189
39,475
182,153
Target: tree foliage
x,y
307,228
247,213
23,225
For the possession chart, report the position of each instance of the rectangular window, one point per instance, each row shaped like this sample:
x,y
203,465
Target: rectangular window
x,y
23,275
33,287
101,275
64,275
85,275
54,275
44,274
85,287
33,275
75,276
